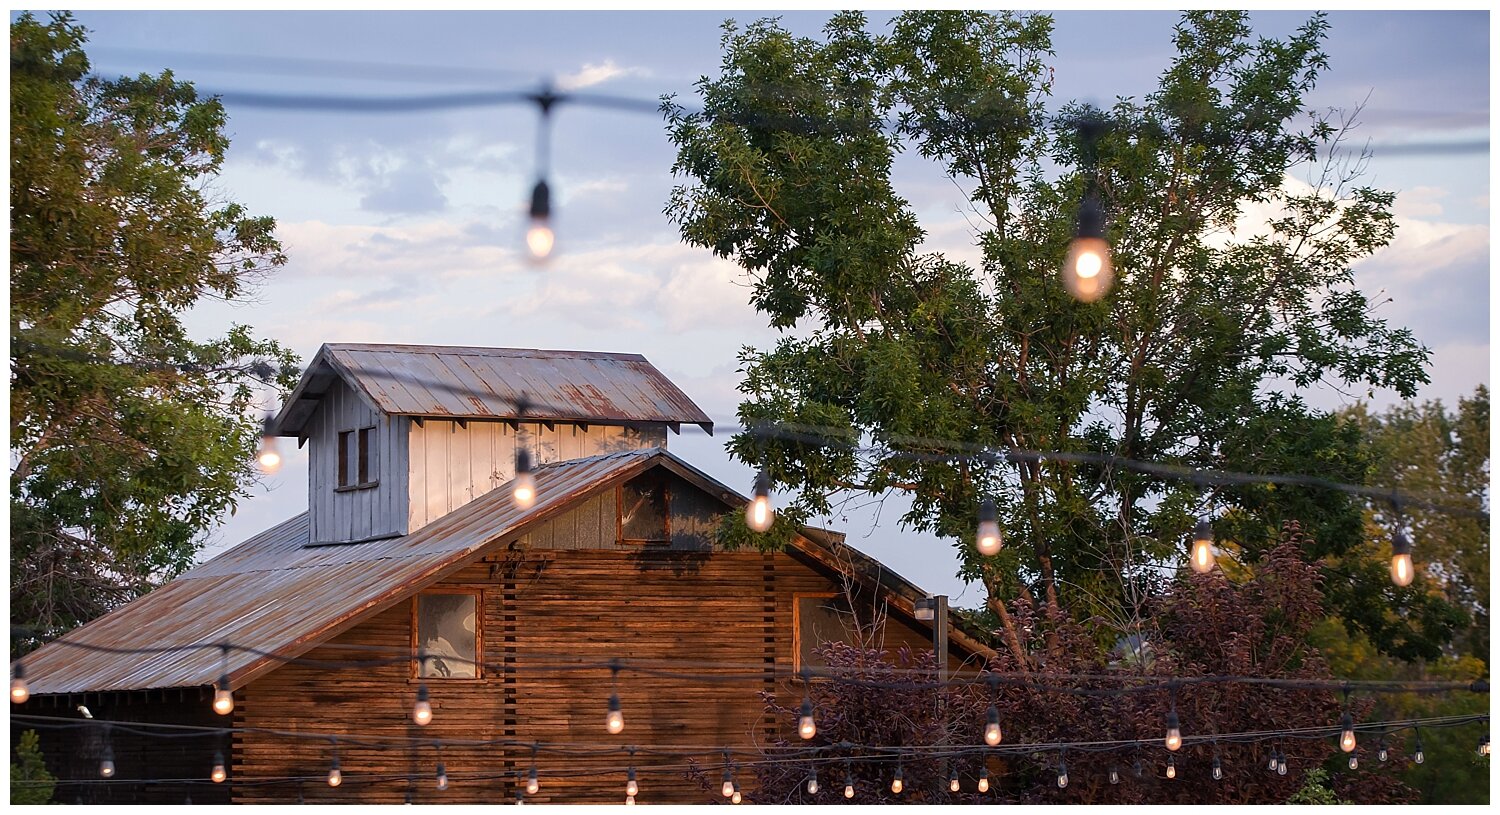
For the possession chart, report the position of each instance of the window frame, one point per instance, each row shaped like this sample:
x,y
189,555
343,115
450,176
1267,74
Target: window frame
x,y
355,459
415,675
797,598
666,490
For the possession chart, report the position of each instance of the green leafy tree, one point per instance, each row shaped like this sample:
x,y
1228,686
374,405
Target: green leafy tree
x,y
1193,359
128,438
30,783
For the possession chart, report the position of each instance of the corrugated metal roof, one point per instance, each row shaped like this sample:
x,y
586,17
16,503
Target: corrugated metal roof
x,y
440,381
272,594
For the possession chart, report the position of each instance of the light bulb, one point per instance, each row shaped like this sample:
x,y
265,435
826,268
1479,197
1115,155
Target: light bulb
x,y
19,690
1114,775
1136,769
1218,769
107,765
758,514
806,727
1174,733
897,782
1382,754
1483,748
523,486
1271,765
442,777
1346,739
987,539
992,734
631,787
1401,568
532,784
1353,761
984,780
735,798
539,237
849,790
218,774
1087,271
1203,548
266,457
1062,776
953,781
614,721
812,784
1281,764
335,777
630,800
727,788
421,712
224,698
520,799
1171,767
1419,756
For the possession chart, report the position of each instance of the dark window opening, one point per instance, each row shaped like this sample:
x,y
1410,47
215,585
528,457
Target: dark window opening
x,y
356,459
344,457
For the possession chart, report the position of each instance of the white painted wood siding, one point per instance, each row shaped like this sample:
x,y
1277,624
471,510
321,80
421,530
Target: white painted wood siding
x,y
352,515
451,465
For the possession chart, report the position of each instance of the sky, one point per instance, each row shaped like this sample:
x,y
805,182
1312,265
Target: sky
x,y
408,228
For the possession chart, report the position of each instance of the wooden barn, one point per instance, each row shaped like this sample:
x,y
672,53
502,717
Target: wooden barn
x,y
414,544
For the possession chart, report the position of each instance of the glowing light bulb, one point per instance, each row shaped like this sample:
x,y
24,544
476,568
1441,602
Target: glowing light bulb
x,y
1382,754
1419,756
806,727
442,777
1353,761
19,690
1174,733
218,773
1171,767
1087,272
984,780
953,781
736,797
539,237
335,776
1218,769
1483,748
992,734
758,514
897,782
267,458
812,783
1402,571
987,539
631,787
523,486
1114,775
849,789
1271,765
223,697
1062,775
630,800
1281,764
532,784
727,788
1202,556
107,763
421,712
1346,739
614,721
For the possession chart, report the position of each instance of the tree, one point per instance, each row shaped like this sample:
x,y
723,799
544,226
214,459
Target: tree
x,y
787,171
30,783
1203,625
128,438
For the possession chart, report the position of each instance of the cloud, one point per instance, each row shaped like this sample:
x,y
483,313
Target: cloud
x,y
596,73
410,190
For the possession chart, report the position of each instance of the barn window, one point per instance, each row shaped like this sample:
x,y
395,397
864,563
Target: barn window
x,y
356,458
445,632
643,510
820,619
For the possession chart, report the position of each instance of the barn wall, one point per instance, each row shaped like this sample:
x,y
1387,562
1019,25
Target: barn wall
x,y
452,464
550,607
359,514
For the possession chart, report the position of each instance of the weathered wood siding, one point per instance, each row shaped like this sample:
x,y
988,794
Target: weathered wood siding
x,y
350,515
545,604
452,464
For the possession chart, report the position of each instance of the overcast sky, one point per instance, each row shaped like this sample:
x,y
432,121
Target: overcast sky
x,y
407,228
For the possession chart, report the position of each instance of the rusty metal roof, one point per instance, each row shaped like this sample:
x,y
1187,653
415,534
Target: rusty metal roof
x,y
440,381
275,594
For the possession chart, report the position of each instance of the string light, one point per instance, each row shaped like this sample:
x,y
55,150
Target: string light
x,y
1218,767
759,514
532,782
953,781
107,763
218,773
992,734
1418,755
539,236
335,775
984,779
736,797
987,539
1401,568
1202,550
1271,765
630,800
806,726
631,787
848,780
421,712
1137,770
1483,749
19,691
812,782
898,781
1353,761
1280,763
520,798
1174,732
267,458
727,787
1087,272
442,777
1171,767
523,486
1347,742
1381,752
1062,773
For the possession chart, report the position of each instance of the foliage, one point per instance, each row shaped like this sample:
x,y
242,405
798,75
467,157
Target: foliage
x,y
128,438
1204,625
1315,790
30,783
787,170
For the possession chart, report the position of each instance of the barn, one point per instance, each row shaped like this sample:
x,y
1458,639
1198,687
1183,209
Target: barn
x,y
419,575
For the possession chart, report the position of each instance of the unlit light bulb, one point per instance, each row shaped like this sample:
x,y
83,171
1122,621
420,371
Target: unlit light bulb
x,y
1202,556
758,514
1114,775
987,539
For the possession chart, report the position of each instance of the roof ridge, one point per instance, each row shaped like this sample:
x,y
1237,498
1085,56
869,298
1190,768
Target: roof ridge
x,y
476,350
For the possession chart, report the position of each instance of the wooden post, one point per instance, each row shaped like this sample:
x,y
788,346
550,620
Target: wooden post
x,y
940,652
